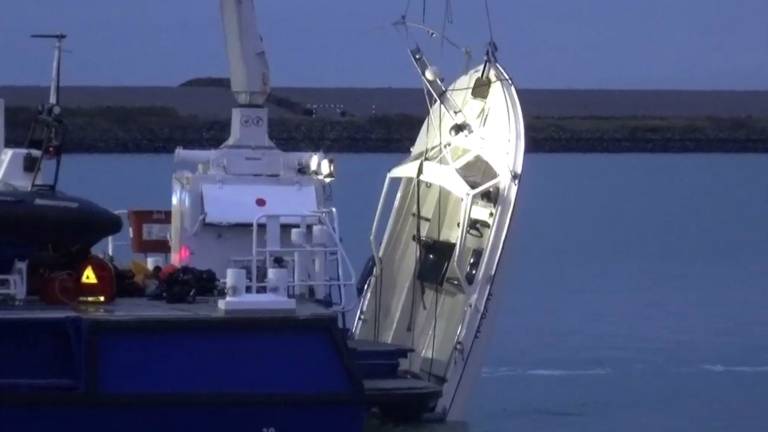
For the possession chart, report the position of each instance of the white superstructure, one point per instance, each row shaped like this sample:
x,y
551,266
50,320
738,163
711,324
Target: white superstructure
x,y
250,205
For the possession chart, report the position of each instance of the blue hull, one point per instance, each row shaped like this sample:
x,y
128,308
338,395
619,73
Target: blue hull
x,y
183,417
194,370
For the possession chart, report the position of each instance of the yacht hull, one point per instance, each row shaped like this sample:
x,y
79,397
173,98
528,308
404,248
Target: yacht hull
x,y
437,255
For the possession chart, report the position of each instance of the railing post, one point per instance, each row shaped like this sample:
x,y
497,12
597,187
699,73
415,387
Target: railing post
x,y
254,258
333,247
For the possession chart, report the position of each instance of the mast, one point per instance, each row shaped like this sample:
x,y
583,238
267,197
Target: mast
x,y
46,134
53,98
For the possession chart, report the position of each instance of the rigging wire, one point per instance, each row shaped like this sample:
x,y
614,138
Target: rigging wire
x,y
417,186
439,237
419,239
407,8
447,19
490,23
404,17
377,311
433,34
430,101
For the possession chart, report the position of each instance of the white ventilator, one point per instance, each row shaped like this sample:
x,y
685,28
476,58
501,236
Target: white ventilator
x,y
437,256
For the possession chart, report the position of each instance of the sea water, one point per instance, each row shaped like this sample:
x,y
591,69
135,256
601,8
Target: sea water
x,y
635,287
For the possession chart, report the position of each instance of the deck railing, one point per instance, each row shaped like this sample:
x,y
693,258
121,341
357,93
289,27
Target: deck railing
x,y
263,251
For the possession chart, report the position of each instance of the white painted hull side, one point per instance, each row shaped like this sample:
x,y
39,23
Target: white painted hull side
x,y
456,193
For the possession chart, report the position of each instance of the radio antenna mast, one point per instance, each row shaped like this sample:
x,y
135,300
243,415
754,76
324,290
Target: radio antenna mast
x,y
53,98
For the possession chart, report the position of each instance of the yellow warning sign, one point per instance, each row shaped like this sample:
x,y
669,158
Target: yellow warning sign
x,y
89,277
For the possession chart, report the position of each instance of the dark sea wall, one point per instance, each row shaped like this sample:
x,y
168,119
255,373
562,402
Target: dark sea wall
x,y
161,129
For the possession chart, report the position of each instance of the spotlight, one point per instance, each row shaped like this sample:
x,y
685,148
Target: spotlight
x,y
314,164
327,170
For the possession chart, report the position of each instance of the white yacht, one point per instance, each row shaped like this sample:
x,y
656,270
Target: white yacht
x,y
437,252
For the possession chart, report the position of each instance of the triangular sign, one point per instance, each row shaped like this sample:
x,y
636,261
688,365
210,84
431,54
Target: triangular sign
x,y
89,277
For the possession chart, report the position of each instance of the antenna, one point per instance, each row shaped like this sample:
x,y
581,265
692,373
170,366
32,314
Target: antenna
x,y
490,22
53,99
47,131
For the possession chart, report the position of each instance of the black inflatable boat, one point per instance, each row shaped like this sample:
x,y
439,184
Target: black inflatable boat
x,y
54,220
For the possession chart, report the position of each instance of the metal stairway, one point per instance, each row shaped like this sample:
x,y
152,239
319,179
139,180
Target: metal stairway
x,y
394,394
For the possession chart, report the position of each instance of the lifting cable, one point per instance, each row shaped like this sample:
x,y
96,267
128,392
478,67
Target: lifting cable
x,y
439,237
490,24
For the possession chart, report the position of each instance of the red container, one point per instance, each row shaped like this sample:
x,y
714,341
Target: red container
x,y
149,231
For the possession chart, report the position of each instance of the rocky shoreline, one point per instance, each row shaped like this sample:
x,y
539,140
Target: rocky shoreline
x,y
162,129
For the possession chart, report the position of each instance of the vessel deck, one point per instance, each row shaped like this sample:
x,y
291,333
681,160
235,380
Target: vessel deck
x,y
143,309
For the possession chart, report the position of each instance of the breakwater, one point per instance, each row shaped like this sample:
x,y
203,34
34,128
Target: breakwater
x,y
153,129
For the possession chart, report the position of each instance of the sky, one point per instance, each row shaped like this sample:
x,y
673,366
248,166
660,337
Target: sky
x,y
614,44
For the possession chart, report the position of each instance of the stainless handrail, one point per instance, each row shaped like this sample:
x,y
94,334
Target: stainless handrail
x,y
346,273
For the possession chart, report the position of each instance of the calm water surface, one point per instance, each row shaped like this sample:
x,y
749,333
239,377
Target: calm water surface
x,y
635,287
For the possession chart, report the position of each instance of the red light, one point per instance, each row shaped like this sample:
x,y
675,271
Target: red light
x,y
261,202
184,254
